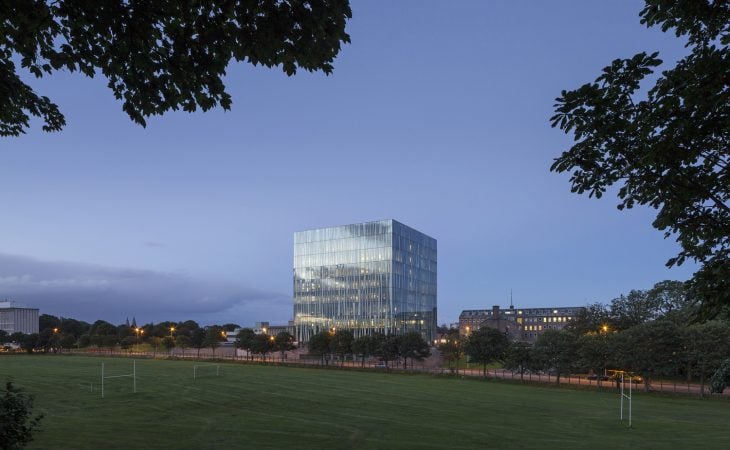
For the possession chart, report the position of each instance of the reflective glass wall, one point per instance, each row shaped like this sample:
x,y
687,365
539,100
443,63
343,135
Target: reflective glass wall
x,y
374,277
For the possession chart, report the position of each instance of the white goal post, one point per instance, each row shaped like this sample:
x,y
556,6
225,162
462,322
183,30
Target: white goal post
x,y
626,396
133,375
200,366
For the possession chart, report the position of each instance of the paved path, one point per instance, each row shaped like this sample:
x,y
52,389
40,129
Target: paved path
x,y
294,358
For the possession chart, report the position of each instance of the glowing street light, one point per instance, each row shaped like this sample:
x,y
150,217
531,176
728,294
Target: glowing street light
x,y
172,329
138,331
55,330
604,328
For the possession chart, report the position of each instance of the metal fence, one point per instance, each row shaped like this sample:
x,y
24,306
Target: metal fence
x,y
399,366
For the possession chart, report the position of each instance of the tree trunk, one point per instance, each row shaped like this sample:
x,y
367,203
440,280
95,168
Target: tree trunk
x,y
689,373
484,369
702,383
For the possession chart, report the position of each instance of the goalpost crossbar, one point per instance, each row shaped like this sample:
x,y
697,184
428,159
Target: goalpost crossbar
x,y
198,366
132,375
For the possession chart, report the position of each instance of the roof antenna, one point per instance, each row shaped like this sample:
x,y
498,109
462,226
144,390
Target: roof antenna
x,y
511,305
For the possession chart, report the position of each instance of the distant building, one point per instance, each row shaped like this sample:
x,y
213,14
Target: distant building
x,y
290,328
262,328
17,318
525,324
374,277
273,330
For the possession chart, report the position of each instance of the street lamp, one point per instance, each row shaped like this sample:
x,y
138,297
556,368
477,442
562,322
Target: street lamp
x,y
604,328
171,330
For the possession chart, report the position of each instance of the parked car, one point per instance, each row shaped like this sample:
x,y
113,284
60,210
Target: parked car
x,y
598,377
615,375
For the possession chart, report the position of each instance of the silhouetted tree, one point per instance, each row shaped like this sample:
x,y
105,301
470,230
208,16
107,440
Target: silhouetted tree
x,y
213,338
183,341
364,347
244,338
666,145
168,342
341,344
319,345
198,339
284,342
707,345
594,352
452,350
555,350
485,346
30,342
16,421
262,344
412,345
388,348
649,349
520,358
158,56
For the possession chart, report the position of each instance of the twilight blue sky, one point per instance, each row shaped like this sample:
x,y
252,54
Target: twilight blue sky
x,y
436,115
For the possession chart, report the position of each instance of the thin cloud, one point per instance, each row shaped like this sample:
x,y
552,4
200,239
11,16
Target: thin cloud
x,y
92,292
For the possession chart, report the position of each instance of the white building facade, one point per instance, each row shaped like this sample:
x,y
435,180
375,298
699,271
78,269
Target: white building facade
x,y
16,318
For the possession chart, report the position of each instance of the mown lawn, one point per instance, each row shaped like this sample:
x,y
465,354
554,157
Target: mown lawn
x,y
251,406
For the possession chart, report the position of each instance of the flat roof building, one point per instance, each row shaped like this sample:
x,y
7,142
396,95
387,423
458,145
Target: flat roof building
x,y
525,324
17,318
373,277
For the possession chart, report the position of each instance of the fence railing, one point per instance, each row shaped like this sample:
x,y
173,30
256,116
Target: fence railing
x,y
398,366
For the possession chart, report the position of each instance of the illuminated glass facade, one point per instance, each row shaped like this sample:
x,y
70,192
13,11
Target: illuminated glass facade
x,y
374,277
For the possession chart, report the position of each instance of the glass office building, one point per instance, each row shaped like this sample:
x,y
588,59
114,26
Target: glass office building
x,y
374,277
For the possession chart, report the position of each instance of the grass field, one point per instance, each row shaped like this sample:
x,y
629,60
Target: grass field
x,y
252,406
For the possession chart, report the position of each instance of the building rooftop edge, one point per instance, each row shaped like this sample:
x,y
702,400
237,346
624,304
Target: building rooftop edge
x,y
520,309
345,224
364,223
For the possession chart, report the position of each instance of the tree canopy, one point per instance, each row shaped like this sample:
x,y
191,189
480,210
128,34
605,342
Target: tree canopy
x,y
413,346
666,145
650,349
487,345
555,351
157,56
16,422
